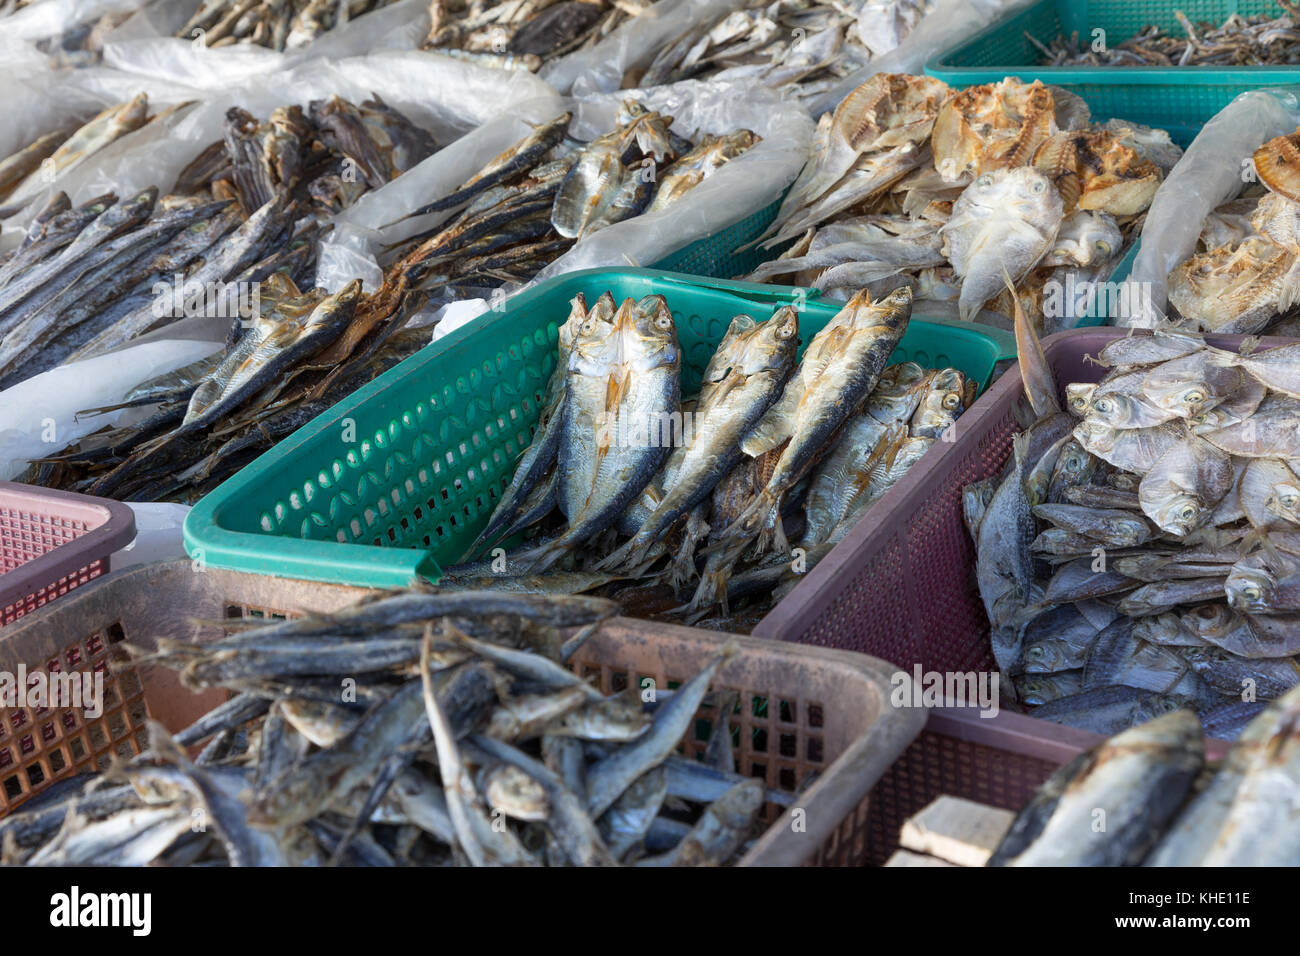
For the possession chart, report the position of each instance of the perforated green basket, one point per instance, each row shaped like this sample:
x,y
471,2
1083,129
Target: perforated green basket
x,y
1178,99
716,256
435,440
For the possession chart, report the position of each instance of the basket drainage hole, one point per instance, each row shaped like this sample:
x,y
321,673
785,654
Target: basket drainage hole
x,y
786,779
78,749
57,762
789,746
618,682
786,712
759,743
13,788
115,633
815,752
815,715
35,775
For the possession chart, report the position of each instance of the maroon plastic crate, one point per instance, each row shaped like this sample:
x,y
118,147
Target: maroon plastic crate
x,y
52,542
901,587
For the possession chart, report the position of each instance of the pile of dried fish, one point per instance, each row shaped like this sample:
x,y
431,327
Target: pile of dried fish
x,y
802,46
277,24
467,741
27,174
325,158
531,203
1245,276
523,34
1261,40
87,279
911,183
1142,551
296,357
1163,805
781,459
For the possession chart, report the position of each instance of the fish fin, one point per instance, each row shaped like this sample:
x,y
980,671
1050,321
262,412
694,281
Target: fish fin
x,y
1035,372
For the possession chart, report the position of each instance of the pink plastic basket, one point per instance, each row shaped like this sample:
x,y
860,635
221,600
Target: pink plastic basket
x,y
901,586
52,542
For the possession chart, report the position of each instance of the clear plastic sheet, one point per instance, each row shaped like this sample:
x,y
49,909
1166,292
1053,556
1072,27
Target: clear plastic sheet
x,y
444,96
949,23
39,417
632,46
1213,170
41,101
146,44
21,31
737,190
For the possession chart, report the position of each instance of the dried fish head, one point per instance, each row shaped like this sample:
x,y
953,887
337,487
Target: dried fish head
x,y
1277,163
1236,289
1002,225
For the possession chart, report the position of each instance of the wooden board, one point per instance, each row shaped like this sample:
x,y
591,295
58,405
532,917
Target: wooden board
x,y
959,831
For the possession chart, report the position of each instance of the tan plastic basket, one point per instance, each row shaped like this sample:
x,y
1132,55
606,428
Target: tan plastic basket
x,y
52,542
804,710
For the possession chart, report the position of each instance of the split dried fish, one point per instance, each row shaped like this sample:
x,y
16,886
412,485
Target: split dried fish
x,y
911,183
683,508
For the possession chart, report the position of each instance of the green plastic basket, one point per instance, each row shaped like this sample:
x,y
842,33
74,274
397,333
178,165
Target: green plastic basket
x,y
1179,99
436,438
716,256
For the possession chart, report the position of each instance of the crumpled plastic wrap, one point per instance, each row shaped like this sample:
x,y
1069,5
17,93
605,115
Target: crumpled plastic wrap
x,y
739,189
38,417
633,45
1212,171
947,25
444,96
39,102
146,44
21,31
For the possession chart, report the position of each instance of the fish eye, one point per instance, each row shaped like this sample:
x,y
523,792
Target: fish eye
x,y
1188,512
1103,247
1170,706
1036,653
1194,396
951,400
1039,186
986,180
1105,406
664,322
1251,592
588,326
785,332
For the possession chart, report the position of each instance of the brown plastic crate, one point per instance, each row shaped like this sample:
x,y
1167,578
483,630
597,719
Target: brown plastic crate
x,y
804,710
901,586
52,542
